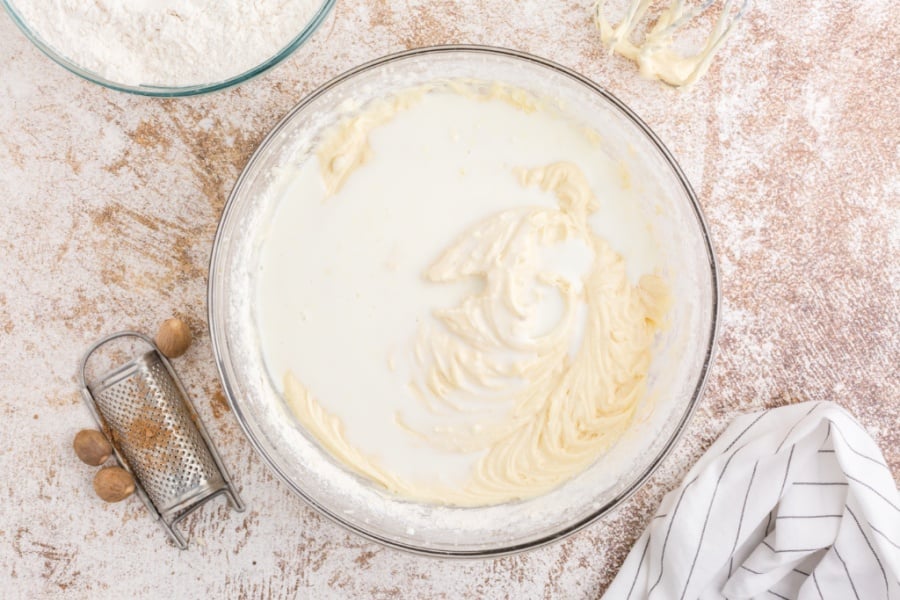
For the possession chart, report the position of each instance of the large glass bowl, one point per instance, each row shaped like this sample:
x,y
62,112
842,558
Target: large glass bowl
x,y
170,91
682,353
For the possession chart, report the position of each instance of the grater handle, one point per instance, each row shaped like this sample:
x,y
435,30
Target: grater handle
x,y
101,342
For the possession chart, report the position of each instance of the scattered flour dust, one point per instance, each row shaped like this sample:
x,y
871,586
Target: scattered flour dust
x,y
173,43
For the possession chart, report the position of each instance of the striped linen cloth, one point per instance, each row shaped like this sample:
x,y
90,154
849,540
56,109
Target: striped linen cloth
x,y
793,502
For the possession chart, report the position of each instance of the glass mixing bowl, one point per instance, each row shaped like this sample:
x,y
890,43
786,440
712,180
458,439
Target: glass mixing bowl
x,y
682,353
167,91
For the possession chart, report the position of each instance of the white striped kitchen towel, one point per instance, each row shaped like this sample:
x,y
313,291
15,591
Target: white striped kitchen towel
x,y
793,502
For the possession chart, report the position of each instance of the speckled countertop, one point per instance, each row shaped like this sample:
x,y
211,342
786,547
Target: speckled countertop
x,y
111,202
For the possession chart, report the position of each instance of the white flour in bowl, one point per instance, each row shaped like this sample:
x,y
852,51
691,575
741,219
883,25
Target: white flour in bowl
x,y
171,43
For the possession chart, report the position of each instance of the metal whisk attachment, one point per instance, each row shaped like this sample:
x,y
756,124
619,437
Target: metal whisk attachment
x,y
157,436
657,54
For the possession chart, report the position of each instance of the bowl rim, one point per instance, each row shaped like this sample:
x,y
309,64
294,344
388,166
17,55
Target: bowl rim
x,y
218,341
171,91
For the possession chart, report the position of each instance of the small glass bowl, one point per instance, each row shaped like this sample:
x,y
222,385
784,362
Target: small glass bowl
x,y
682,354
166,91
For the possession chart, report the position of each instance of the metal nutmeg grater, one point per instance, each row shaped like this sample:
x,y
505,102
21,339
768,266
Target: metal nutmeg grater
x,y
143,410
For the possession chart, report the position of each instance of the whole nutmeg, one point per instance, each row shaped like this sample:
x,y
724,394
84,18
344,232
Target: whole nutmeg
x,y
113,484
92,447
173,338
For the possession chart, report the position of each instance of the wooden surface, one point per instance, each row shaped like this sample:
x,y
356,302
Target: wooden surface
x,y
111,203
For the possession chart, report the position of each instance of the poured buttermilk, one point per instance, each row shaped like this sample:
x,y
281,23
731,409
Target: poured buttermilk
x,y
341,292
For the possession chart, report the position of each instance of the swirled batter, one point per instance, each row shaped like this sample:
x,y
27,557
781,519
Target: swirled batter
x,y
532,356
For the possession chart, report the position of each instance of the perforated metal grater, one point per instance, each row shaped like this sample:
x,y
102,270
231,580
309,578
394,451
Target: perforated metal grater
x,y
156,435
